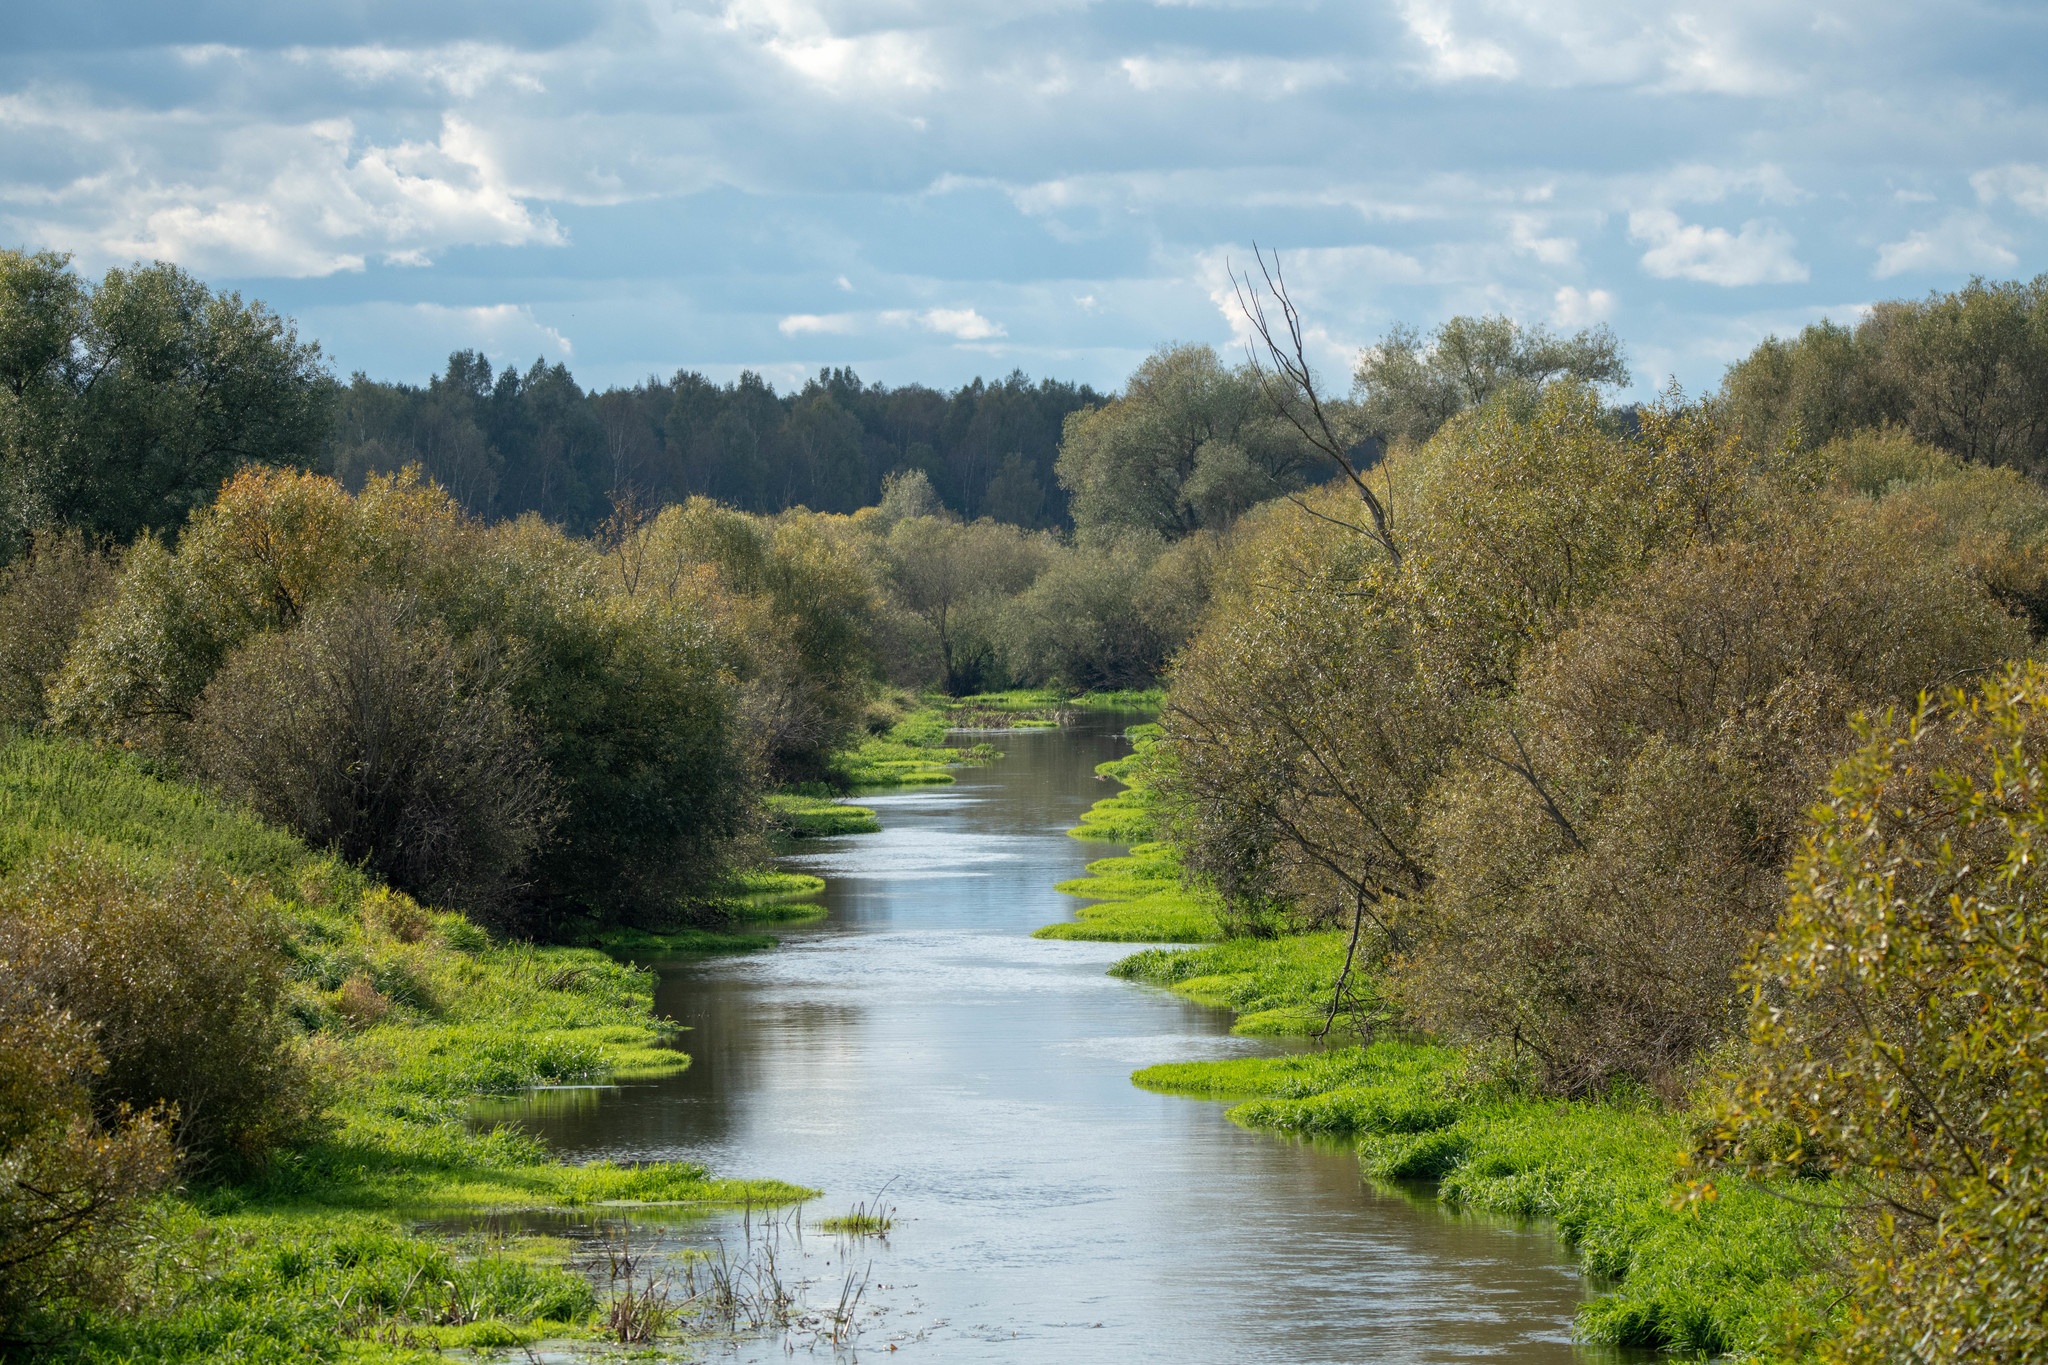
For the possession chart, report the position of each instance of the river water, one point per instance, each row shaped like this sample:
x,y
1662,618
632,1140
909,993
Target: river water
x,y
918,1046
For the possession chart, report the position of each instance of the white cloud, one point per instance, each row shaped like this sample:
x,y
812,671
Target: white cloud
x,y
962,323
1572,308
1961,241
802,38
2025,185
499,328
808,324
266,199
1452,58
459,70
1760,253
1523,230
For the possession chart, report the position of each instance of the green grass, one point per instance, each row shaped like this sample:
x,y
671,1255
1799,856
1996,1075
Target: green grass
x,y
1279,987
647,945
1731,1273
413,1014
1130,699
1139,899
764,885
818,817
913,753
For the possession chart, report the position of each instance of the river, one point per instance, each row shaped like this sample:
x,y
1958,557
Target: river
x,y
917,1046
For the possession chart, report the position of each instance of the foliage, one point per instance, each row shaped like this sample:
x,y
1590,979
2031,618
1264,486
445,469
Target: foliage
x,y
952,577
626,698
72,1193
1079,625
370,732
1615,836
123,405
1966,372
1190,443
43,597
510,442
1546,757
179,977
1897,1022
1407,387
798,597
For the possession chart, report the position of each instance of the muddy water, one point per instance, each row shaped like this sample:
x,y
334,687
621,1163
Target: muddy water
x,y
918,1045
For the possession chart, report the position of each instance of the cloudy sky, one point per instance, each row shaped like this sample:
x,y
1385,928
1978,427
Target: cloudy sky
x,y
933,189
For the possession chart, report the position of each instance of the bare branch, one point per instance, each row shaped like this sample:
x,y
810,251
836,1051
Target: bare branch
x,y
1285,366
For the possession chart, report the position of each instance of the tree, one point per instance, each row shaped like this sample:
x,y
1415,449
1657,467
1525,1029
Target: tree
x,y
129,402
951,576
1965,371
1191,443
1897,1022
1406,387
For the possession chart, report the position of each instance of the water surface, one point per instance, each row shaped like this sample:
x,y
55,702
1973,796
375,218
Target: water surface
x,y
918,1045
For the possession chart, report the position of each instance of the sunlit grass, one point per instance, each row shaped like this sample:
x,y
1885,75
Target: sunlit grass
x,y
1733,1273
818,817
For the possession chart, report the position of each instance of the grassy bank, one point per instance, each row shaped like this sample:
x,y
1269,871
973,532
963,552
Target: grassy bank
x,y
809,815
409,1014
1712,1275
1136,897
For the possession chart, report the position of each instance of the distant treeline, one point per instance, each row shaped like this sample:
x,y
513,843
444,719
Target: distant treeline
x,y
507,442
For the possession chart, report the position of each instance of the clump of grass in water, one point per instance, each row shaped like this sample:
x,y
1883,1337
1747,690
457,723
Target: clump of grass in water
x,y
863,1221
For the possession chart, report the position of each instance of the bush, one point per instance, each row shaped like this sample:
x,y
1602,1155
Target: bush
x,y
1899,1028
1616,835
630,698
42,599
71,1192
183,983
372,732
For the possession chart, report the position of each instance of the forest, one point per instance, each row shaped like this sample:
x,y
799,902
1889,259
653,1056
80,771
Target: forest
x,y
1676,761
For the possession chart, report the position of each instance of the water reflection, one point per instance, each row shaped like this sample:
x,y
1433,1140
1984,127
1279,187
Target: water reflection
x,y
916,1039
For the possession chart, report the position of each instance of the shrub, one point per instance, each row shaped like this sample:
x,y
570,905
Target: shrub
x,y
1615,836
1899,1028
71,1192
183,984
630,698
374,733
42,599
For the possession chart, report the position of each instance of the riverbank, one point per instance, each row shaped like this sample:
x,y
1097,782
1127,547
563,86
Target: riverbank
x,y
1713,1269
407,1014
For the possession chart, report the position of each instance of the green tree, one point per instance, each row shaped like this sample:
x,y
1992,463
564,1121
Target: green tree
x,y
1408,386
129,402
1965,371
953,577
1191,443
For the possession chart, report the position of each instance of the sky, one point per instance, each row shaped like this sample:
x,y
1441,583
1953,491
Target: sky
x,y
930,190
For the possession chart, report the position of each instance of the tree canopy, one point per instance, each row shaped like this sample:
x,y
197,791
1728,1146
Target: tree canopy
x,y
125,404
